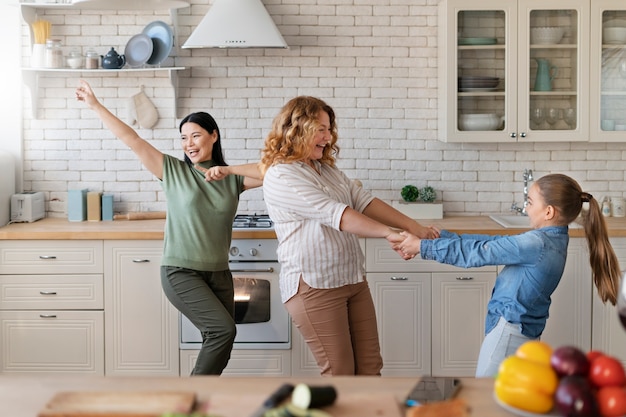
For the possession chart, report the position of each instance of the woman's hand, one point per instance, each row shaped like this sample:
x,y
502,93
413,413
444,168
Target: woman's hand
x,y
396,241
86,94
215,173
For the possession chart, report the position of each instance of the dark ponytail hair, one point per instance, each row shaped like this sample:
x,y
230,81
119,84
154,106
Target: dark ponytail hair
x,y
208,123
566,196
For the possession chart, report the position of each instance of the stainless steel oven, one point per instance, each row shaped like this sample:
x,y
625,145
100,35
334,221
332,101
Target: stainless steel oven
x,y
262,320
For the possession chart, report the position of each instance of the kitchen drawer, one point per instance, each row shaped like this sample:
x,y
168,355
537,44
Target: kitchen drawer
x,y
62,292
51,257
52,342
379,257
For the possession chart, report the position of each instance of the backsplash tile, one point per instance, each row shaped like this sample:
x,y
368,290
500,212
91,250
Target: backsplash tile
x,y
375,63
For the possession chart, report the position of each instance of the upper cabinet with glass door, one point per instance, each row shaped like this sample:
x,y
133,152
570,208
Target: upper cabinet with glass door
x,y
608,71
513,70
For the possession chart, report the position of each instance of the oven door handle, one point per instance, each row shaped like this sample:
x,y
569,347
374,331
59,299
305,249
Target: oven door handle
x,y
270,269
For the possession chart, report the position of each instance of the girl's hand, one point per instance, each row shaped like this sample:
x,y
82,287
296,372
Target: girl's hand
x,y
85,93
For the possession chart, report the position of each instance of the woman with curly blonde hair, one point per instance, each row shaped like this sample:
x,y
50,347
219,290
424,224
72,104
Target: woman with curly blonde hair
x,y
318,214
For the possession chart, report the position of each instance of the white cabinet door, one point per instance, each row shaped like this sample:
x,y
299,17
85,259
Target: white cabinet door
x,y
141,330
459,307
608,334
52,341
402,303
569,322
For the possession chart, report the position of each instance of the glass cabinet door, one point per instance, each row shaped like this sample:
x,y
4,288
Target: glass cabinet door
x,y
513,70
555,77
608,113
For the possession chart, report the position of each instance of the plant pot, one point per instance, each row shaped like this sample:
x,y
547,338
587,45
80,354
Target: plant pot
x,y
419,210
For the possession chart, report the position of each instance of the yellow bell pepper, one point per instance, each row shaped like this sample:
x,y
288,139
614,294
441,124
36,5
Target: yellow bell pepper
x,y
526,385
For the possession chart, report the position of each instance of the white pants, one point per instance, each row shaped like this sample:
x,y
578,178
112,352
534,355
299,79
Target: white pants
x,y
499,343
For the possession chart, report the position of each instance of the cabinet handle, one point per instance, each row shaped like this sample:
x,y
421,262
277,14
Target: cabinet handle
x,y
270,269
141,261
523,134
464,278
513,135
48,316
47,257
399,278
48,292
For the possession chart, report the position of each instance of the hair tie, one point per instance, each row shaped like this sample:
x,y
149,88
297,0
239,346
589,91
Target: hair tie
x,y
586,197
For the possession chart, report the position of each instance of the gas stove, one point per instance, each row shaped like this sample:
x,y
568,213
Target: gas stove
x,y
253,221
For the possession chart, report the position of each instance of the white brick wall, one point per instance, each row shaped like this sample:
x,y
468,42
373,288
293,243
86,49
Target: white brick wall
x,y
374,61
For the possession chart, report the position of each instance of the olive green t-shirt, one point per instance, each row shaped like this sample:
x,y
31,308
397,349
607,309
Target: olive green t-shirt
x,y
200,214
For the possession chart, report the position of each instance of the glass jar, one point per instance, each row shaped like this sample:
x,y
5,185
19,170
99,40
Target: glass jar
x,y
54,54
92,59
74,59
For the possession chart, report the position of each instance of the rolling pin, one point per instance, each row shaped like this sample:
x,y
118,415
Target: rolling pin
x,y
140,215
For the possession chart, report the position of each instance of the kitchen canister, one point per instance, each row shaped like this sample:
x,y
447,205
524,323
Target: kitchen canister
x,y
618,207
54,54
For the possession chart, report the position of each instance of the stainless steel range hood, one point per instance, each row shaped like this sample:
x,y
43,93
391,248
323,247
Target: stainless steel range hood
x,y
236,24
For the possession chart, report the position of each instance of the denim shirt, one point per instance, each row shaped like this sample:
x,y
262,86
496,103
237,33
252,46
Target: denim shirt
x,y
533,264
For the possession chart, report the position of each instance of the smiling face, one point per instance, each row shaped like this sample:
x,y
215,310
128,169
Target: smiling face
x,y
196,142
322,137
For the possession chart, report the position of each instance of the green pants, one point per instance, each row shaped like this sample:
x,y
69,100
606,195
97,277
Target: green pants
x,y
207,299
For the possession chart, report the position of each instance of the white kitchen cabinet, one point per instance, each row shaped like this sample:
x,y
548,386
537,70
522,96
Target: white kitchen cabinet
x,y
608,73
569,322
245,362
141,325
459,308
420,307
608,334
51,307
403,314
487,42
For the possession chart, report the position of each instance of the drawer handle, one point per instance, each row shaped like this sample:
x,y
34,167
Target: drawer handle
x,y
48,316
141,261
399,278
239,271
464,278
48,292
47,257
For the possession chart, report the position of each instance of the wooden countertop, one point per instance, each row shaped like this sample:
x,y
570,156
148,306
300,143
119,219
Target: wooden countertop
x,y
62,229
26,395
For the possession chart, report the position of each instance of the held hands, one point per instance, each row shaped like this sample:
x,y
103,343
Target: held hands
x,y
405,244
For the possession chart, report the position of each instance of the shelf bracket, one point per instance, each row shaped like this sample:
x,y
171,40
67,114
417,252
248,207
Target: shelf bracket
x,y
31,80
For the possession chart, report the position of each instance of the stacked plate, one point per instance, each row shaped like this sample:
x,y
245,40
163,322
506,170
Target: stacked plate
x,y
478,83
152,46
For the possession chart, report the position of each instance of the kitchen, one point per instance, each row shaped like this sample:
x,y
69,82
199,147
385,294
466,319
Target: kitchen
x,y
377,64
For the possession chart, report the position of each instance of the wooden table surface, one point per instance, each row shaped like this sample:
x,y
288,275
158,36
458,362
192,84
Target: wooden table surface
x,y
61,228
26,395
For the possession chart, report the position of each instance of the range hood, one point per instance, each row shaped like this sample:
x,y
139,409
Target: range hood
x,y
236,24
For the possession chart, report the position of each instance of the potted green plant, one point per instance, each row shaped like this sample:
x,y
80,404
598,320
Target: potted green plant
x,y
419,203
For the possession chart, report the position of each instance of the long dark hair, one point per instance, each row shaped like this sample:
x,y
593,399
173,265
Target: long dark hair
x,y
208,123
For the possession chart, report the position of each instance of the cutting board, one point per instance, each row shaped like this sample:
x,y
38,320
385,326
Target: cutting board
x,y
118,404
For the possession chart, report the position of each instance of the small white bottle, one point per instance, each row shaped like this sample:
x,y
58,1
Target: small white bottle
x,y
606,207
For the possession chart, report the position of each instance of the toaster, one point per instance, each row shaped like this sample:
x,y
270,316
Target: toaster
x,y
27,207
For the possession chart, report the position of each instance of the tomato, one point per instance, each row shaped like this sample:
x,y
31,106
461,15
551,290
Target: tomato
x,y
607,371
536,351
611,401
592,354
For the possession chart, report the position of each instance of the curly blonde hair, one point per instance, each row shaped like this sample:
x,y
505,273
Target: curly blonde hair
x,y
293,130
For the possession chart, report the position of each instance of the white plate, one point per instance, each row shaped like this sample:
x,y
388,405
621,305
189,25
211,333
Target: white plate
x,y
522,413
138,50
162,40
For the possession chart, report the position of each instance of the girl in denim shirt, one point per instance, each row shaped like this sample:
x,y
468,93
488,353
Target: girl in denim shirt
x,y
533,264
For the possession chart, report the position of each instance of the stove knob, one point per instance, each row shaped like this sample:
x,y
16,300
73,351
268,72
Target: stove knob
x,y
234,251
253,252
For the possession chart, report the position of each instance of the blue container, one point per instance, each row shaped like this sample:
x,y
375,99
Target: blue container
x,y
107,207
77,205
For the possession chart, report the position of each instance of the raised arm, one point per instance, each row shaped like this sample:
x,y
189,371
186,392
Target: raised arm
x,y
149,156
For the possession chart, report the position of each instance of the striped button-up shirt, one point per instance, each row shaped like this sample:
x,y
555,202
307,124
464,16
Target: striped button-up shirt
x,y
306,208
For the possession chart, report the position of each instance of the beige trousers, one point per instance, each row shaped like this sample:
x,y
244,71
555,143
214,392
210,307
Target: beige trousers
x,y
339,326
